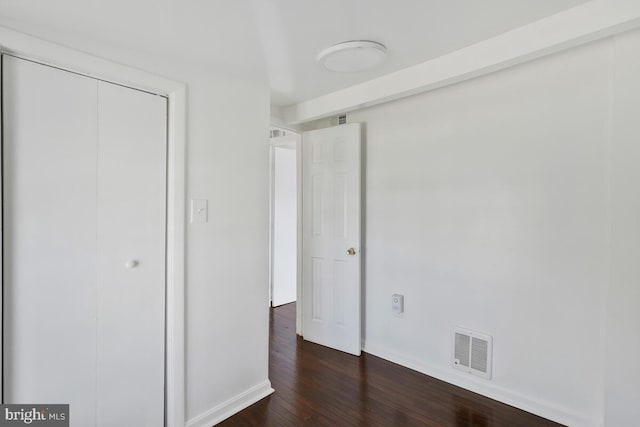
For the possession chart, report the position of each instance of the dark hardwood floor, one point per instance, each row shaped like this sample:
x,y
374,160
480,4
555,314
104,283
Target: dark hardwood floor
x,y
317,386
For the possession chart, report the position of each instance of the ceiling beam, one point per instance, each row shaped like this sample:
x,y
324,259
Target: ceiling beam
x,y
590,21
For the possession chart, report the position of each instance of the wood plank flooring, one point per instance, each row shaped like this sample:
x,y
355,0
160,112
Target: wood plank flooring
x,y
317,386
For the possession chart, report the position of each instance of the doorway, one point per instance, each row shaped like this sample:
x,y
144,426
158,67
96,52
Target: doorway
x,y
328,232
285,209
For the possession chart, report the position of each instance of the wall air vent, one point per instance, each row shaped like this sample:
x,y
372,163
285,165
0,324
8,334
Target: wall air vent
x,y
338,120
473,352
276,133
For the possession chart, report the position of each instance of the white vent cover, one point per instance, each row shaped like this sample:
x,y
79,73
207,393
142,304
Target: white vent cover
x,y
473,352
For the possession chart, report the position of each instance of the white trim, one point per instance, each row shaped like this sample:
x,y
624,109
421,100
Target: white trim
x,y
176,224
299,293
272,196
486,388
232,406
32,48
1,235
45,52
590,21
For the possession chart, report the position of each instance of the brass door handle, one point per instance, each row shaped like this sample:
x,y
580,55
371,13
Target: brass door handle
x,y
351,251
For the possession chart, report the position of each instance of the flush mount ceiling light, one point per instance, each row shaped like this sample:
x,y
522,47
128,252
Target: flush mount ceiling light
x,y
352,56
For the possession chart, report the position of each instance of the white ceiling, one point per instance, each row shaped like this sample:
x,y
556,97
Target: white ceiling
x,y
286,35
414,31
209,32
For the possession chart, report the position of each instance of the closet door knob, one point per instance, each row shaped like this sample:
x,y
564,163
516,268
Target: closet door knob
x,y
131,264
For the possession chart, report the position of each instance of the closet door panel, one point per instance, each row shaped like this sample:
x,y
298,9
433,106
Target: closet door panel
x,y
49,183
131,256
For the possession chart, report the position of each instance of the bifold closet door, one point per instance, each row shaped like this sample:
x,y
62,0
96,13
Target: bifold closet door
x,y
84,179
50,126
131,256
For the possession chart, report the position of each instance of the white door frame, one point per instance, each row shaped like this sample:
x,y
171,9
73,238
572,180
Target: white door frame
x,y
272,145
34,49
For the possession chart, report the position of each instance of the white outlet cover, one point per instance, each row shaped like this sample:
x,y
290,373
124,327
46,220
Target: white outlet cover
x,y
397,304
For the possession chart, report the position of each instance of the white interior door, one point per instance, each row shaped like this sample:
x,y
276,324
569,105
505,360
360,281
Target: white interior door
x,y
331,264
84,184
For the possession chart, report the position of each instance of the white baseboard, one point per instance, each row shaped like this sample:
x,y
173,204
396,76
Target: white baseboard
x,y
544,409
232,406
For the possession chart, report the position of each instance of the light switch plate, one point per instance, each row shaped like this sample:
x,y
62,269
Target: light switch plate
x,y
199,211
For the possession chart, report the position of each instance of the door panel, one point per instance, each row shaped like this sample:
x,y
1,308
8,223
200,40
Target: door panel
x,y
131,229
331,225
49,192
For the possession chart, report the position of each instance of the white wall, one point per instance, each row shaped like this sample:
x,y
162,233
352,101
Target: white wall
x,y
623,306
227,258
285,226
488,208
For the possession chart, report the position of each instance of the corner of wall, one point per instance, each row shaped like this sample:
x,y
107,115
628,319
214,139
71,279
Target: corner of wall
x,y
232,406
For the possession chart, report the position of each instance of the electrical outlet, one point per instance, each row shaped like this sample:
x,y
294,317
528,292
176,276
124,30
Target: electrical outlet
x,y
397,304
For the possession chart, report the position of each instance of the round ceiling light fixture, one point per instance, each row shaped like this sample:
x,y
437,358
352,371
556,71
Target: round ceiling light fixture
x,y
352,56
